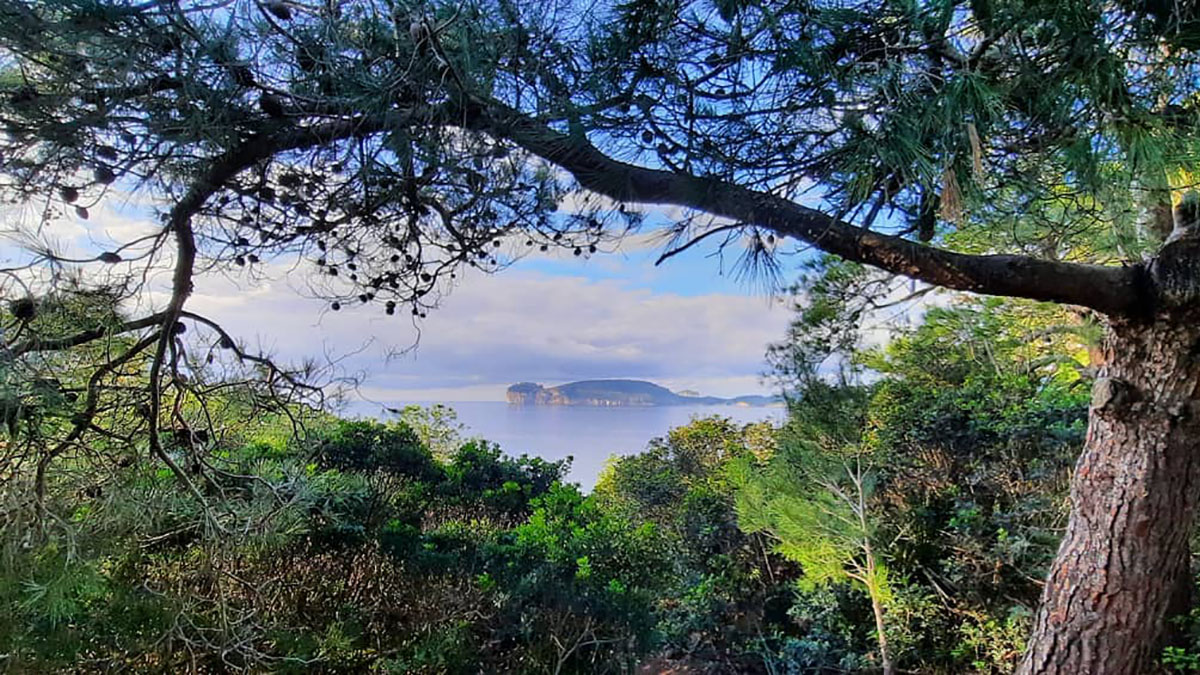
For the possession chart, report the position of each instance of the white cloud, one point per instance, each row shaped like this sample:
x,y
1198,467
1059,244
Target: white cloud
x,y
489,333
493,331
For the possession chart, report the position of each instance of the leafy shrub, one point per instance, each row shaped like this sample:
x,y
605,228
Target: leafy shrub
x,y
370,446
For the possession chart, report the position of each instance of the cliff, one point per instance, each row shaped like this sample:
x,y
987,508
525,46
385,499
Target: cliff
x,y
618,393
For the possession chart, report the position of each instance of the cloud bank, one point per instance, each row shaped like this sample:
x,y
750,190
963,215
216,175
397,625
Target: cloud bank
x,y
493,331
549,320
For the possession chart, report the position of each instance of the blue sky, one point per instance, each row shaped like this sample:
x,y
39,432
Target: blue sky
x,y
551,318
698,271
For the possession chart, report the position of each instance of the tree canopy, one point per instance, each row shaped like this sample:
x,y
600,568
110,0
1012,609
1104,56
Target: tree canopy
x,y
1013,148
1041,150
389,143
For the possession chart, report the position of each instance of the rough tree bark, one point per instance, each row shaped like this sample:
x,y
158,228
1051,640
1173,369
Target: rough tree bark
x,y
1134,494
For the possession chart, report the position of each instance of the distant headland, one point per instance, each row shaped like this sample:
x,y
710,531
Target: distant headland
x,y
621,393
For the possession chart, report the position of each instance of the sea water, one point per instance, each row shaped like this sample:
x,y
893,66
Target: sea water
x,y
589,434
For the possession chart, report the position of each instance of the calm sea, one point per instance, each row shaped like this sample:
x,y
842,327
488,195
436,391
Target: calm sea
x,y
589,434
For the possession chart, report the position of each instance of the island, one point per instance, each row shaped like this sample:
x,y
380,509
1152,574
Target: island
x,y
621,393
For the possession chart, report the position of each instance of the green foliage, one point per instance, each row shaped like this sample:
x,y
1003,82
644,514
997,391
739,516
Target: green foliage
x,y
816,499
820,532
444,650
984,427
437,426
722,589
1182,654
1180,660
969,422
478,470
305,542
831,620
367,446
992,645
350,545
593,575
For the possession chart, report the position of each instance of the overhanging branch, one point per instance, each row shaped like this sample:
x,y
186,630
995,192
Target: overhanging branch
x,y
84,337
1112,290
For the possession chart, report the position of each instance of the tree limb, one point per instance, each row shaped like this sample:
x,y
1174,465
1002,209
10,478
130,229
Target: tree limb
x,y
84,337
1112,290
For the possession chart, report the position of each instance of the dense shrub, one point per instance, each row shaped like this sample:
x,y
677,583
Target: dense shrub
x,y
357,548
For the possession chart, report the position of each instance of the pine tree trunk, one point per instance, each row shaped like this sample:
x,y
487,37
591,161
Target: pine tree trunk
x,y
1105,607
